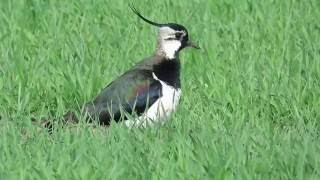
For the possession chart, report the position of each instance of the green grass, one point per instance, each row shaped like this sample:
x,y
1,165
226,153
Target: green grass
x,y
251,95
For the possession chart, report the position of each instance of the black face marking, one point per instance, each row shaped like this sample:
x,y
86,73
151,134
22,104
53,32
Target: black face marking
x,y
179,35
170,38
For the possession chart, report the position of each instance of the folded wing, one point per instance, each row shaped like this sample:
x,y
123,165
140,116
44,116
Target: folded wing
x,y
133,92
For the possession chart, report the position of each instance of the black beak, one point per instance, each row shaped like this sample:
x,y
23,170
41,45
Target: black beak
x,y
192,45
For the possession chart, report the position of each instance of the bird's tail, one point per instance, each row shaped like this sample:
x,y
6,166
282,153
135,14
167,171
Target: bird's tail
x,y
48,123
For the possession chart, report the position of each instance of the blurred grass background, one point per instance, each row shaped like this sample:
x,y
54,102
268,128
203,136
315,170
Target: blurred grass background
x,y
251,95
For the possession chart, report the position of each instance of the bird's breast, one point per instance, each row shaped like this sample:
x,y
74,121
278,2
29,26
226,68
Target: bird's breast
x,y
161,110
168,71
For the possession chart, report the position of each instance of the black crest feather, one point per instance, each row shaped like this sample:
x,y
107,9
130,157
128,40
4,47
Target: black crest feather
x,y
143,18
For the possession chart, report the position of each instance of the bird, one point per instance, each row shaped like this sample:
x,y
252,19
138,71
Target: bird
x,y
147,93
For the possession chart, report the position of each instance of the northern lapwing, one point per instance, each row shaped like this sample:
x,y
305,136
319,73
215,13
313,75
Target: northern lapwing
x,y
150,91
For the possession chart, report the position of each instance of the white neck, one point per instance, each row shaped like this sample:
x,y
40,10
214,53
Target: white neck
x,y
170,48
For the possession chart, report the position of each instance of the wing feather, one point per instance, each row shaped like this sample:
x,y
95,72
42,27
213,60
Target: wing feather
x,y
133,92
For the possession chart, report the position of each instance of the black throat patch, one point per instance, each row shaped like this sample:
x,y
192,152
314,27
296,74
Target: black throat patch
x,y
169,72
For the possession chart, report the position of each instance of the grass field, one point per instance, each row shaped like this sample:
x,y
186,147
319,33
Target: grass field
x,y
251,95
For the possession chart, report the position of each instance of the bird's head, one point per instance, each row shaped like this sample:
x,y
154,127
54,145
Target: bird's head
x,y
172,37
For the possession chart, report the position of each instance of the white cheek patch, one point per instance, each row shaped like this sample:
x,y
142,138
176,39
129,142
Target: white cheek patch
x,y
170,48
168,44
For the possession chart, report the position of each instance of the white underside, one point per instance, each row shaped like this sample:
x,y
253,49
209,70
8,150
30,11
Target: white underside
x,y
161,110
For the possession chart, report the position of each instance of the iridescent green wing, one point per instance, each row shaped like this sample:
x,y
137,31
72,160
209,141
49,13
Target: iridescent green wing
x,y
133,92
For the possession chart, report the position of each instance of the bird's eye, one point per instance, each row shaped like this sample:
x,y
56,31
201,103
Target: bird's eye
x,y
178,35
